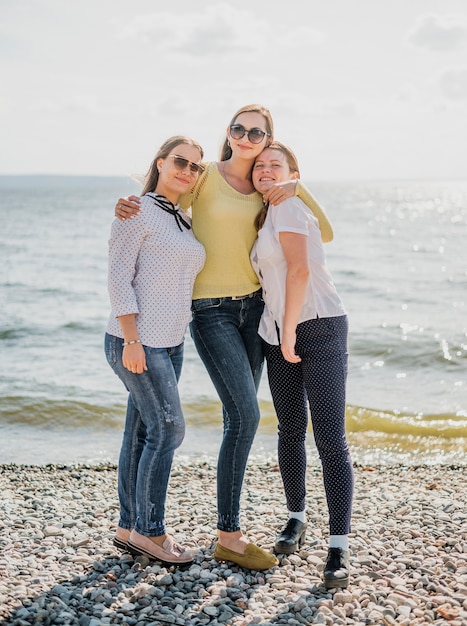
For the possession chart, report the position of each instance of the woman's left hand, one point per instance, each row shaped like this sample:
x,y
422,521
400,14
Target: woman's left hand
x,y
134,358
280,192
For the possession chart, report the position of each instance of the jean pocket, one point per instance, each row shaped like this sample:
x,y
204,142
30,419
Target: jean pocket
x,y
202,304
111,350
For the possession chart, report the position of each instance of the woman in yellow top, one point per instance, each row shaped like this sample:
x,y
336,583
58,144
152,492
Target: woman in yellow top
x,y
227,306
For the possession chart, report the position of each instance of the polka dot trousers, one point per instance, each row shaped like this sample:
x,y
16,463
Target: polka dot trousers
x,y
318,381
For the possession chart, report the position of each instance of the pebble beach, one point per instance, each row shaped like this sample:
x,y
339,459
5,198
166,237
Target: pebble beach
x,y
58,565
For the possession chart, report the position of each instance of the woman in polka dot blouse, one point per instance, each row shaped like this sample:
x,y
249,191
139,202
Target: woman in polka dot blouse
x,y
153,263
304,327
227,307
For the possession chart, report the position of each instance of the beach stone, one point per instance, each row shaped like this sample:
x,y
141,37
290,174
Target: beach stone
x,y
57,553
342,597
404,610
52,531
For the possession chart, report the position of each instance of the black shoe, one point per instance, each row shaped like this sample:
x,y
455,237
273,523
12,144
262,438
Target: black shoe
x,y
291,538
336,570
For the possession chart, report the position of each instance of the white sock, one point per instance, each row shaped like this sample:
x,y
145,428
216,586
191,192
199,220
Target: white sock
x,y
339,541
300,515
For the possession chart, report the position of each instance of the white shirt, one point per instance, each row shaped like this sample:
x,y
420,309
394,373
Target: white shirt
x,y
268,260
152,267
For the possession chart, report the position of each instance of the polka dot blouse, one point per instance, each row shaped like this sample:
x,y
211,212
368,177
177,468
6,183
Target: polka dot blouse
x,y
152,268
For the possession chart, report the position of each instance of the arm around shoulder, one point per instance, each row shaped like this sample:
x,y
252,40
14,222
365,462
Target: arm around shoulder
x,y
126,208
186,199
325,225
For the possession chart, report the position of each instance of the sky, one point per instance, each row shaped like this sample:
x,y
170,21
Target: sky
x,y
360,89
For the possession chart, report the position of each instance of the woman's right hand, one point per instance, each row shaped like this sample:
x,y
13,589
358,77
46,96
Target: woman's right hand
x,y
127,208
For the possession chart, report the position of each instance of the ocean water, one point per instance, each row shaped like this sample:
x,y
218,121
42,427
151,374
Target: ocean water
x,y
399,262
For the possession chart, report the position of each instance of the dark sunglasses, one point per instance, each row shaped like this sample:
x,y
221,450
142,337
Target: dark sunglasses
x,y
181,163
255,135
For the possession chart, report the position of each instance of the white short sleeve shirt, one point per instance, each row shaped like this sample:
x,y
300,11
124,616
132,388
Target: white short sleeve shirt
x,y
268,260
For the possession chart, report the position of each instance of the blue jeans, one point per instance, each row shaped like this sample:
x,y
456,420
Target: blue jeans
x,y
224,331
154,428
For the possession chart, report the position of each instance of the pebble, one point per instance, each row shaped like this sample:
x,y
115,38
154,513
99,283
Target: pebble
x,y
58,564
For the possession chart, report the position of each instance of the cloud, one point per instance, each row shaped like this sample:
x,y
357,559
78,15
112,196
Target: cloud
x,y
302,36
80,104
453,83
439,33
343,108
9,45
216,30
405,93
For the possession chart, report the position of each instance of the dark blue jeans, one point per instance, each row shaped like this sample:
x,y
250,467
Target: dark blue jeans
x,y
224,331
154,428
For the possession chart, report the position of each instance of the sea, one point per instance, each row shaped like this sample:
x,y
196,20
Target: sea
x,y
399,262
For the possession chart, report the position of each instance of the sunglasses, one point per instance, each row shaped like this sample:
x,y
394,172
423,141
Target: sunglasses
x,y
181,164
255,135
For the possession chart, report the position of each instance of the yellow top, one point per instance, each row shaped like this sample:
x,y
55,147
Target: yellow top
x,y
223,221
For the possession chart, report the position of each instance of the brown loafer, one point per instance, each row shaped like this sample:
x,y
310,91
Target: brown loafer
x,y
253,558
170,553
120,539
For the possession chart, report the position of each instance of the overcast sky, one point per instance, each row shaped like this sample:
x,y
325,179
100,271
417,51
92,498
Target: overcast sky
x,y
360,89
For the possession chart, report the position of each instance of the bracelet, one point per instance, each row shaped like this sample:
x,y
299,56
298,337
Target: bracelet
x,y
130,343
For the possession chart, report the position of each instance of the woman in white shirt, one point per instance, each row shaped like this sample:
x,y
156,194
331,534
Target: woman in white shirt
x,y
304,326
153,263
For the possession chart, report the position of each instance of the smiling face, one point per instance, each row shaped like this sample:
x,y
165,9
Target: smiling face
x,y
173,181
243,147
271,167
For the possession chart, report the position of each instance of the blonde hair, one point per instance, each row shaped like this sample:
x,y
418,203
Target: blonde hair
x,y
152,176
293,167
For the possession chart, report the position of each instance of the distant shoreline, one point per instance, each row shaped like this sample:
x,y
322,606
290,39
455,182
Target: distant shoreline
x,y
68,179
59,181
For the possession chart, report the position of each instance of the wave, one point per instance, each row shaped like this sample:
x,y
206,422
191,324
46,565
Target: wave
x,y
447,425
17,332
61,414
367,420
204,413
44,329
42,429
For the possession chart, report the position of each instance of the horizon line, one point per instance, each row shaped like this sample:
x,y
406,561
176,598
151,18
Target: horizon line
x,y
131,177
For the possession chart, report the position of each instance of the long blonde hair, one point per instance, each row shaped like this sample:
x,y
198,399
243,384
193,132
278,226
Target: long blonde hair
x,y
293,167
226,150
152,176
